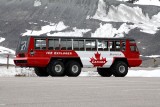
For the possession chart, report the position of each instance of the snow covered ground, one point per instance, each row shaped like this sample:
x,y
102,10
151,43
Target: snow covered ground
x,y
13,71
89,72
138,72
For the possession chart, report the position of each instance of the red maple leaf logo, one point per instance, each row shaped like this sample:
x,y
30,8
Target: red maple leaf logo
x,y
98,61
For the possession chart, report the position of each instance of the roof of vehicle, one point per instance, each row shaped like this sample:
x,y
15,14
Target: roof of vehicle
x,y
69,37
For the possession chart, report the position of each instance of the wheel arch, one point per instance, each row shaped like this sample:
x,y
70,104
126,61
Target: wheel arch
x,y
120,59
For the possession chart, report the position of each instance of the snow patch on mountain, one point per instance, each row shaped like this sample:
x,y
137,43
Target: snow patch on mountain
x,y
2,39
123,0
148,2
107,30
143,2
37,3
46,29
156,18
31,23
75,33
58,29
124,13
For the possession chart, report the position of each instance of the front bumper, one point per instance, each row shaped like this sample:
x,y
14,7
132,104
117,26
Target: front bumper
x,y
134,62
31,62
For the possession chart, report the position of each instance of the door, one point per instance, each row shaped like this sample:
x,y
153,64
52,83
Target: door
x,y
39,52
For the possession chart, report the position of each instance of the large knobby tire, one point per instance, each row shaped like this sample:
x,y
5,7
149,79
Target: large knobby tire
x,y
73,69
120,69
41,72
56,68
104,72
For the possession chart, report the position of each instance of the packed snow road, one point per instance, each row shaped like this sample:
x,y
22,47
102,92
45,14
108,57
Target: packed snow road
x,y
79,92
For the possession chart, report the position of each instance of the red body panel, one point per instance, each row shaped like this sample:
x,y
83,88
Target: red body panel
x,y
42,60
132,57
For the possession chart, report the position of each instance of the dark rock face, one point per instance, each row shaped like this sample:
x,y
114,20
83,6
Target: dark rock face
x,y
16,15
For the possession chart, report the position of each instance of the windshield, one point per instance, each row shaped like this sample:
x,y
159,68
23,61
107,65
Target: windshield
x,y
22,45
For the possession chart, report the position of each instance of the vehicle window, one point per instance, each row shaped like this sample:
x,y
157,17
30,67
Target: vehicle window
x,y
112,45
132,41
78,45
117,46
66,44
69,44
23,45
53,44
81,45
40,44
56,44
133,48
90,45
102,45
63,44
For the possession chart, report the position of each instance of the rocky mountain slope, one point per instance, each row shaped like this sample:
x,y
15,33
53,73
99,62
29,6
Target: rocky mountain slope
x,y
90,18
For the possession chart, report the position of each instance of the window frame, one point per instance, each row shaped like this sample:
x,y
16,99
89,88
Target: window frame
x,y
79,48
103,43
53,47
91,47
135,48
41,48
66,44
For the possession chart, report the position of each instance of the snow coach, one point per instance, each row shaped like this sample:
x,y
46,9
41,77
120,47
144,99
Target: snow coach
x,y
60,56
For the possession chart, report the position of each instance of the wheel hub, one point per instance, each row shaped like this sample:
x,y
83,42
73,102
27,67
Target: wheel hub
x,y
58,68
75,68
122,69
